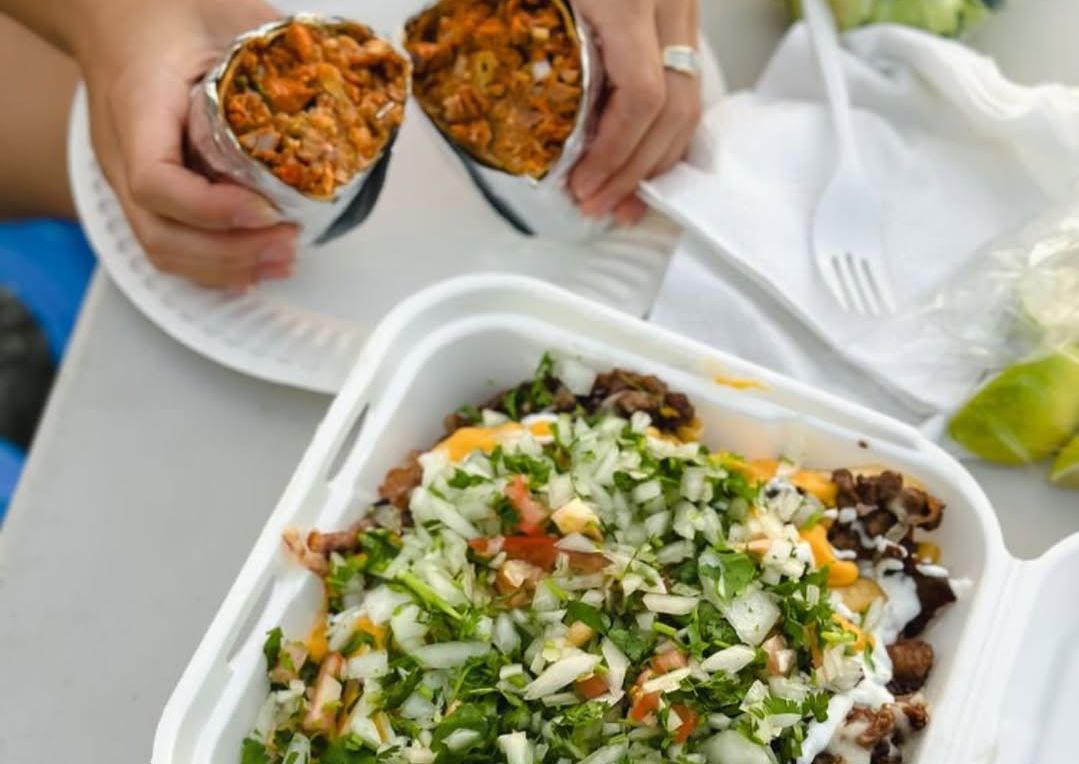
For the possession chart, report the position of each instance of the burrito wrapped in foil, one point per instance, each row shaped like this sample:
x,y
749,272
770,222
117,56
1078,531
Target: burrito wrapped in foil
x,y
304,110
511,86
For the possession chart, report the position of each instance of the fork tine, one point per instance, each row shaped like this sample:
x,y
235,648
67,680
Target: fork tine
x,y
846,276
880,285
864,285
831,279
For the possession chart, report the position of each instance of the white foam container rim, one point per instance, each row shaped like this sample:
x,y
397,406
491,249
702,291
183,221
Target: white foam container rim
x,y
459,340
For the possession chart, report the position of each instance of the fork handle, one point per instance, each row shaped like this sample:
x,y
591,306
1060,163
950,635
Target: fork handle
x,y
825,39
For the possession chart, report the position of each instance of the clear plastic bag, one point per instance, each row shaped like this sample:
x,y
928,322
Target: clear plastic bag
x,y
1020,299
1013,321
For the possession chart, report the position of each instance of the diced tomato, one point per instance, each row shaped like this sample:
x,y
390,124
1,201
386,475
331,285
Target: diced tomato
x,y
587,562
538,550
485,547
644,705
532,515
669,661
690,720
591,687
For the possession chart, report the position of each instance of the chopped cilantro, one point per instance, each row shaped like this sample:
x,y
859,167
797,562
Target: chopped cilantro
x,y
254,752
813,519
736,570
588,615
406,675
577,730
358,639
686,572
381,547
347,750
509,403
636,644
480,717
534,395
507,513
271,648
428,595
537,470
477,676
462,479
342,571
469,414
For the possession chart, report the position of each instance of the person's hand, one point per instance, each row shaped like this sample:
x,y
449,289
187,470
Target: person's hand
x,y
651,114
140,59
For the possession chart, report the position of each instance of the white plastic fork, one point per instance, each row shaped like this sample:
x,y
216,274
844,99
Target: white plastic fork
x,y
847,238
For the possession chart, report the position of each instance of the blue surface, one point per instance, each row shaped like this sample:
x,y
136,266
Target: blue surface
x,y
47,264
11,461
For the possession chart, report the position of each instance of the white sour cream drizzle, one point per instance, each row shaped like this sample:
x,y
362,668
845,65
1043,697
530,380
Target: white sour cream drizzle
x,y
901,607
820,734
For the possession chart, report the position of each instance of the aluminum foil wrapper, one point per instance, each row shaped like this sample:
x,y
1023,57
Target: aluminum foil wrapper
x,y
216,149
544,207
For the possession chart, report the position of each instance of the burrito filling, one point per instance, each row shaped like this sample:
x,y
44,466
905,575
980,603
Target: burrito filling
x,y
501,79
316,104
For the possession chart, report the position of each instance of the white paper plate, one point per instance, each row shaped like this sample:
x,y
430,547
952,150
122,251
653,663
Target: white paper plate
x,y
430,224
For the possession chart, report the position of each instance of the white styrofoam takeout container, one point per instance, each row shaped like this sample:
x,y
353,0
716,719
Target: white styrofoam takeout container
x,y
1005,677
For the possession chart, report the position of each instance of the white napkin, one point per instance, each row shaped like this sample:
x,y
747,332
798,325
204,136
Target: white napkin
x,y
958,155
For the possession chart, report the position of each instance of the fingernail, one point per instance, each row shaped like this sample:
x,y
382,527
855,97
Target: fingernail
x,y
585,184
260,214
595,208
277,253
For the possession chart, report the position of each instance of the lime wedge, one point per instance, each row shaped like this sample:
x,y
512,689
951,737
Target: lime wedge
x,y
1065,470
1025,414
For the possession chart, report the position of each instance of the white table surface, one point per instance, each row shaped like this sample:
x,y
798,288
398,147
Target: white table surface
x,y
153,471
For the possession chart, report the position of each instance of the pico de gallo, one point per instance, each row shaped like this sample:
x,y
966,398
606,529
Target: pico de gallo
x,y
570,575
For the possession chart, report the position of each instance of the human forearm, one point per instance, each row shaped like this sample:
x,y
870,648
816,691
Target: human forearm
x,y
52,20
